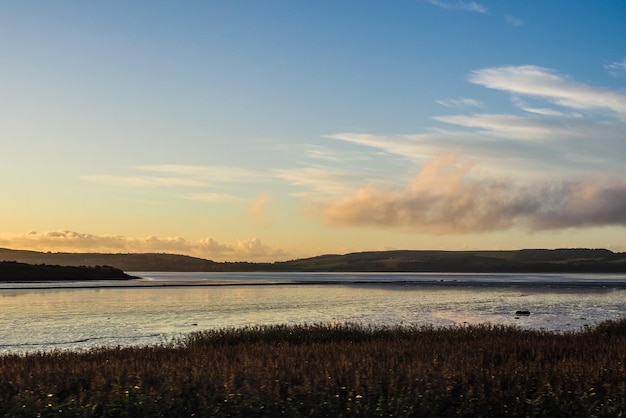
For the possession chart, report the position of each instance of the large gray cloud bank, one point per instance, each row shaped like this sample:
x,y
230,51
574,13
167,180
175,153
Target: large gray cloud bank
x,y
445,198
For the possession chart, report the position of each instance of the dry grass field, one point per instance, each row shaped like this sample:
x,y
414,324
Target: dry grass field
x,y
331,371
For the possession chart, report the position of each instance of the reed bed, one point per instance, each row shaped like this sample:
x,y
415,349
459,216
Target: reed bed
x,y
331,370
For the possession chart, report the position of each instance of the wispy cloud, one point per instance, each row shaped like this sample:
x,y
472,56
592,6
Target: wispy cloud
x,y
322,153
460,102
460,5
447,198
572,130
64,240
328,154
563,130
539,110
557,125
541,82
209,178
320,181
177,175
144,181
207,173
517,145
212,197
416,146
511,127
513,21
617,69
258,211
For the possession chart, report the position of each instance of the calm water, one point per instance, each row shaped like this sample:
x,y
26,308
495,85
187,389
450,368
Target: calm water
x,y
164,306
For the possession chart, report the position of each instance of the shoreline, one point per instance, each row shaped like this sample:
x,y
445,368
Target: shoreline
x,y
132,284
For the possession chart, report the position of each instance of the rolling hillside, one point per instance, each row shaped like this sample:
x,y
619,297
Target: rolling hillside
x,y
516,261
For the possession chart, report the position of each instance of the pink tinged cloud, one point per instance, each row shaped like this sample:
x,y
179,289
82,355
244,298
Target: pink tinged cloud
x,y
71,241
444,198
258,211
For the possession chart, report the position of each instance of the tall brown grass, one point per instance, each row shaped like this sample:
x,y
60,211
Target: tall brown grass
x,y
331,370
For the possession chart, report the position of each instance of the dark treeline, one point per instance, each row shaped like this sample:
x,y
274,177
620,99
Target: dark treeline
x,y
517,261
331,371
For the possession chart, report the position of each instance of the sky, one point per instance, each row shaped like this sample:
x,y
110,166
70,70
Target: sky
x,y
279,129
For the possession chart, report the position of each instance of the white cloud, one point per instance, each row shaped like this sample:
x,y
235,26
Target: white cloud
x,y
513,21
539,110
460,102
417,146
557,134
206,173
328,154
185,176
544,83
569,130
322,181
143,181
254,249
617,69
460,5
322,153
510,127
543,169
512,145
178,175
212,197
241,250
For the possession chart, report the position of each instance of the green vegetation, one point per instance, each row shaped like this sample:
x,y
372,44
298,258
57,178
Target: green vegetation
x,y
331,371
570,260
12,271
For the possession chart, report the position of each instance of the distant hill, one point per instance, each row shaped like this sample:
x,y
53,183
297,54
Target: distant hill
x,y
515,261
571,260
19,272
126,262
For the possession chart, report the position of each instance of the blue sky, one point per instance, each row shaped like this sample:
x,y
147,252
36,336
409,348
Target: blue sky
x,y
265,130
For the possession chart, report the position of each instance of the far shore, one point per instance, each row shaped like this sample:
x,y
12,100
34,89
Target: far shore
x,y
540,261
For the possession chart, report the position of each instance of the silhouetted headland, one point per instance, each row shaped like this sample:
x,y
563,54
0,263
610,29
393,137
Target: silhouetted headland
x,y
12,271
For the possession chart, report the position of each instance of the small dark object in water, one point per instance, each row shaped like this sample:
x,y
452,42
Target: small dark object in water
x,y
525,313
